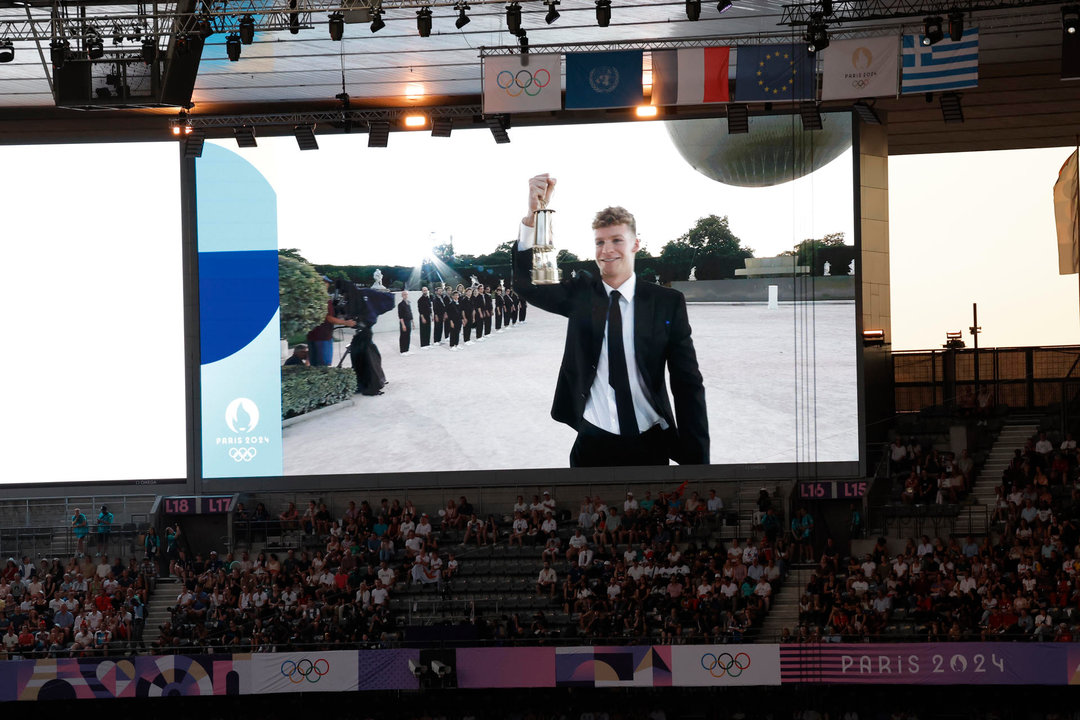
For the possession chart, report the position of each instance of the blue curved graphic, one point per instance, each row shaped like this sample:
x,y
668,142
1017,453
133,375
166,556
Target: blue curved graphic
x,y
238,296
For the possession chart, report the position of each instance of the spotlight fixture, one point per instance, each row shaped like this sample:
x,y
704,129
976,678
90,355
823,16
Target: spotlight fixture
x,y
498,124
377,23
336,25
956,26
932,32
204,26
181,125
378,133
513,18
693,9
951,112
423,21
462,18
415,121
442,127
245,136
817,35
523,43
867,113
811,116
646,112
1070,19
247,30
183,45
305,137
723,6
603,12
294,17
7,51
95,47
873,337
232,47
193,145
118,34
552,13
738,120
826,7
149,50
58,52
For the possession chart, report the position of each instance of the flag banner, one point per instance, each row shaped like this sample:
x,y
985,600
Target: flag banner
x,y
860,68
945,65
774,73
603,79
1065,217
690,76
522,83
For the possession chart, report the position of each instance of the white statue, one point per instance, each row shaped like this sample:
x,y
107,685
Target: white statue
x,y
501,284
573,274
851,267
473,282
378,280
693,274
657,279
828,268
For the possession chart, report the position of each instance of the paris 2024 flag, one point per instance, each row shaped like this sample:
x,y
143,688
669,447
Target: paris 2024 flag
x,y
522,83
866,67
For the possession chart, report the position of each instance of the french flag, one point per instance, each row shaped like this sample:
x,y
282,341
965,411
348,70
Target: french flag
x,y
690,76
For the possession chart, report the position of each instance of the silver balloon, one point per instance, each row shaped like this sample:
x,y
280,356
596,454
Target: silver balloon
x,y
776,150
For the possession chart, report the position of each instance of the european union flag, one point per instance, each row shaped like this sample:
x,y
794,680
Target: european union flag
x,y
775,73
603,79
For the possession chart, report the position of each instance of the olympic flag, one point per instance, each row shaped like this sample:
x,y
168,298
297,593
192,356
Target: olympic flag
x,y
695,665
336,671
866,67
522,83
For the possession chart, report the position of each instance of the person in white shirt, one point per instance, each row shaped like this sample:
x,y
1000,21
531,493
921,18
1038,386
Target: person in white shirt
x,y
715,503
1043,446
576,543
546,580
630,506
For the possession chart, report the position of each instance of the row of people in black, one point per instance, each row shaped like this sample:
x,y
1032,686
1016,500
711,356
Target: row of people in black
x,y
466,311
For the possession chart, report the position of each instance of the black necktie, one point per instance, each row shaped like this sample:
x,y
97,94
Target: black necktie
x,y
618,377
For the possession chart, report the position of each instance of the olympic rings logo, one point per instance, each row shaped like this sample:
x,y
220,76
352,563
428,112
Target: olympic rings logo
x,y
246,454
523,81
300,670
725,664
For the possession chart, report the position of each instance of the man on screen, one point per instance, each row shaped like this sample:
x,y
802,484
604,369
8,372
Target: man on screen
x,y
620,335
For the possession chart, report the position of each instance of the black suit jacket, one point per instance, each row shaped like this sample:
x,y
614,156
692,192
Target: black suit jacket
x,y
661,337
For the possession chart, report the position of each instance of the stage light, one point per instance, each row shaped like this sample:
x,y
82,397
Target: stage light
x,y
232,47
7,51
336,26
245,136
442,127
181,125
693,9
193,145
811,116
423,22
305,137
415,121
817,36
738,120
723,6
182,45
1070,19
956,26
498,124
873,337
95,47
932,32
462,18
951,111
377,23
646,111
603,12
294,17
826,7
513,18
523,43
205,26
58,52
247,30
954,341
552,13
378,133
867,114
149,50
117,34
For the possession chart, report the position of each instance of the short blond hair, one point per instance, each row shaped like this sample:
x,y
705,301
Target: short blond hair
x,y
615,216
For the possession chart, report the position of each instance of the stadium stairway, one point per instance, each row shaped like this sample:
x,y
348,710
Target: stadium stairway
x,y
784,612
163,597
1011,438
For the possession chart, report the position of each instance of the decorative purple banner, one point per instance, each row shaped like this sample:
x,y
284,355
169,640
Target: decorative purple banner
x,y
387,670
618,666
926,663
146,676
506,667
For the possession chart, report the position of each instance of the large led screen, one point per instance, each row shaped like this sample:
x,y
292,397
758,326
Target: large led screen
x,y
756,231
93,301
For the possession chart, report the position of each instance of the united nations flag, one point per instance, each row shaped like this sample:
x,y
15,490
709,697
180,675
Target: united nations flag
x,y
775,73
604,79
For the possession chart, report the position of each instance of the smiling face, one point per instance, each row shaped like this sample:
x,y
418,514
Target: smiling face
x,y
615,249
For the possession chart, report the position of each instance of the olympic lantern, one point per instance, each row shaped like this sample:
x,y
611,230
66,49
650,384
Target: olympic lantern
x,y
776,150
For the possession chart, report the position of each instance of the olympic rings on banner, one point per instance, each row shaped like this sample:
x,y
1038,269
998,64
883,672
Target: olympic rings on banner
x,y
523,81
242,454
725,664
297,671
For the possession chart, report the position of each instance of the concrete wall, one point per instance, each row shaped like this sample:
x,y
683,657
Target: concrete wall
x,y
874,227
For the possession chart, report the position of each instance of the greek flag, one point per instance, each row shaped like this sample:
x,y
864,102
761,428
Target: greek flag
x,y
946,65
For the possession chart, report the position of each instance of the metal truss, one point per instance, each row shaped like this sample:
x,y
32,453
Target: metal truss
x,y
860,10
358,118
